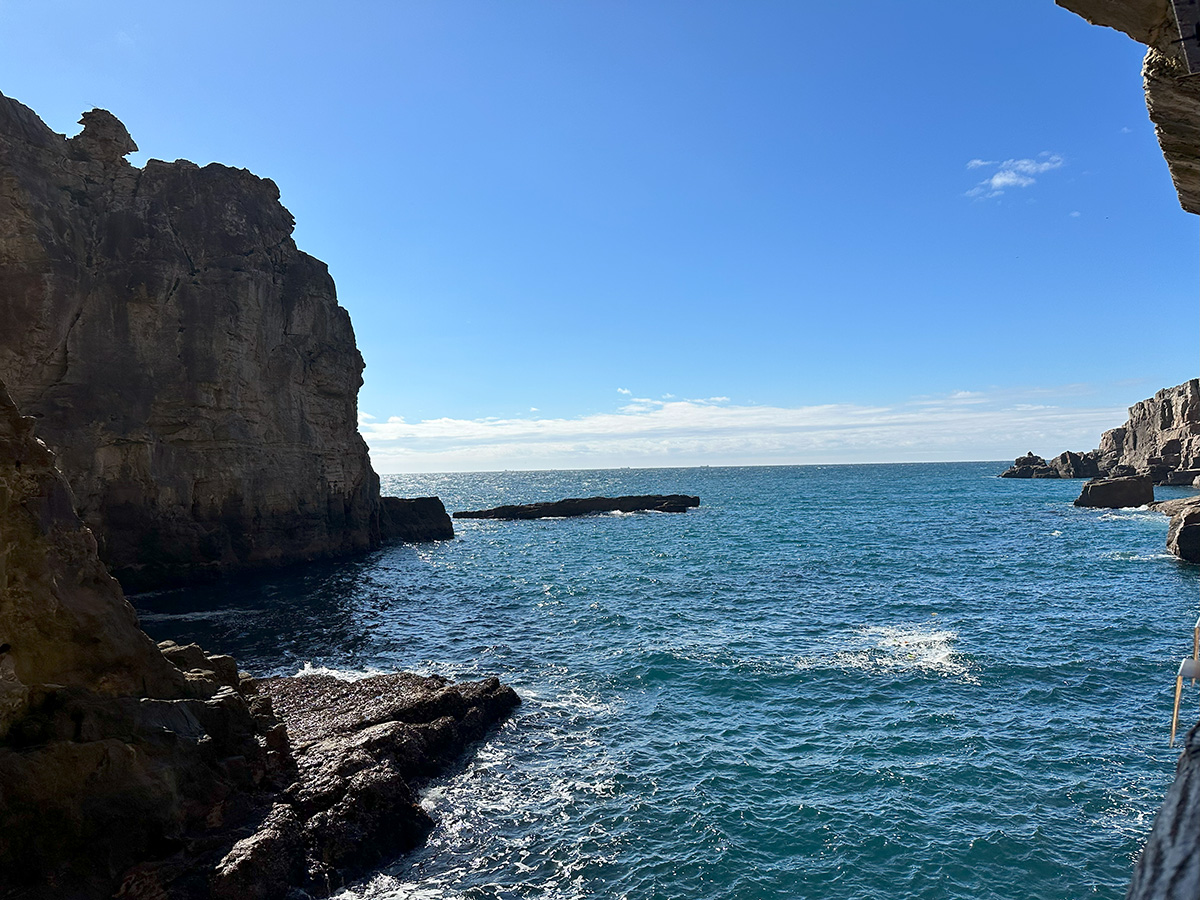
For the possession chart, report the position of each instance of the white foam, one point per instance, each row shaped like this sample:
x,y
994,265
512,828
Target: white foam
x,y
887,648
341,674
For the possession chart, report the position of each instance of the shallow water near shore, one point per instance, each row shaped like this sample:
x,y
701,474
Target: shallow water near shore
x,y
827,681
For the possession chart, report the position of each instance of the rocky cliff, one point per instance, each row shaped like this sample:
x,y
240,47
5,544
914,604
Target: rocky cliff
x,y
152,771
1172,98
1161,439
189,365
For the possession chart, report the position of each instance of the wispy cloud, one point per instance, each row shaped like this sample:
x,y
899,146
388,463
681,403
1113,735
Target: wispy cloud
x,y
1012,173
644,432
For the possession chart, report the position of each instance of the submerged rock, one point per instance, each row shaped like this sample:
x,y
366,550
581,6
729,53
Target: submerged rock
x,y
189,365
675,503
1117,493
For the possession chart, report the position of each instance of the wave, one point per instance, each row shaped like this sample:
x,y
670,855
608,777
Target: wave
x,y
890,648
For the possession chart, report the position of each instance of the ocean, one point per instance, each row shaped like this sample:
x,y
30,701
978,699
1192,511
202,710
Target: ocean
x,y
884,681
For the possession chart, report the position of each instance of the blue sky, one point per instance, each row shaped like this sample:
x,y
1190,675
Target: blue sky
x,y
576,234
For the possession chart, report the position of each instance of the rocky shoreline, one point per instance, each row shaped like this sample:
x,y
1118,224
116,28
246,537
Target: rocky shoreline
x,y
156,771
1158,445
195,381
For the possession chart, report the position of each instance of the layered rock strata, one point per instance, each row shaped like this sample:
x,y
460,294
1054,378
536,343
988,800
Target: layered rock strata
x,y
189,365
586,506
1160,440
1169,865
1172,96
152,771
1117,493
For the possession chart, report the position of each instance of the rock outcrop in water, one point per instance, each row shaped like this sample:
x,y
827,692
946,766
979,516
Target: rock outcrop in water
x,y
154,771
586,506
1117,493
1160,440
189,365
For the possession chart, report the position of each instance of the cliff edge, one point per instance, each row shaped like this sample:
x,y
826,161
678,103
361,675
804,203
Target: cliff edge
x,y
1172,98
190,367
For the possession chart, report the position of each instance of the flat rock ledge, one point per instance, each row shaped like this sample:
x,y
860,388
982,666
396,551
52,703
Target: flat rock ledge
x,y
586,506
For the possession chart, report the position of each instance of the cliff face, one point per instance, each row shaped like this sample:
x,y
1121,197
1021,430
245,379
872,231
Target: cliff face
x,y
108,752
1172,98
188,364
140,770
1161,437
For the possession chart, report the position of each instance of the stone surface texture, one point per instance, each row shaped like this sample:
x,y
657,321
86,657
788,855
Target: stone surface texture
x,y
1172,97
160,771
1169,865
585,506
1117,493
1161,440
108,751
189,365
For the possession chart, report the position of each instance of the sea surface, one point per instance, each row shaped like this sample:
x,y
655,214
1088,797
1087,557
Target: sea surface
x,y
890,681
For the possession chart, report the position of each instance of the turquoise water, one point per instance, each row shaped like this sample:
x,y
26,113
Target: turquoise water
x,y
835,682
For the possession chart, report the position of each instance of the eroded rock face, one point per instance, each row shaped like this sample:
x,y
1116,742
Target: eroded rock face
x,y
1172,98
1169,865
1117,493
1161,436
189,365
1160,440
108,753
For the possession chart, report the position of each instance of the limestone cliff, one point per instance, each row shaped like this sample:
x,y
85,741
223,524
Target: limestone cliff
x,y
189,365
154,771
1172,97
1160,439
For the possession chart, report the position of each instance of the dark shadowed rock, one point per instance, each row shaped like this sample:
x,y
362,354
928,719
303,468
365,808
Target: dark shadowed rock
x,y
191,367
361,746
419,519
675,503
109,754
1183,534
1117,493
1168,867
1030,466
1076,465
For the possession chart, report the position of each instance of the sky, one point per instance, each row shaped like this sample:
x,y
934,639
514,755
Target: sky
x,y
608,233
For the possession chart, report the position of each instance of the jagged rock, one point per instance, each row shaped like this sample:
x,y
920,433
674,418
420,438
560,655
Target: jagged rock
x,y
1030,466
419,519
1172,97
1161,436
1117,493
1076,465
155,772
189,365
106,756
361,745
1183,534
1168,867
675,503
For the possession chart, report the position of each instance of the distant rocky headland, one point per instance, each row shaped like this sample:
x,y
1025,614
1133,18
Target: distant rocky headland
x,y
1159,444
1160,440
190,367
178,394
586,506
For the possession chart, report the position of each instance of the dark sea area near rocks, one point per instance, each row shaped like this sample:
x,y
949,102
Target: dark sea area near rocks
x,y
884,681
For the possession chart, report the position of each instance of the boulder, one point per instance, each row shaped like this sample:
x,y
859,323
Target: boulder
x,y
675,503
1117,493
1183,534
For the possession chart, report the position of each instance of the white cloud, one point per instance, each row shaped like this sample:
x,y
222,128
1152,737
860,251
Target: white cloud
x,y
1012,173
626,391
365,417
1075,214
960,425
